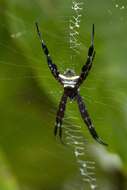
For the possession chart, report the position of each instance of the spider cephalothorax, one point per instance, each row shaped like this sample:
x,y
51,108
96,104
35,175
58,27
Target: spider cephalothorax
x,y
71,83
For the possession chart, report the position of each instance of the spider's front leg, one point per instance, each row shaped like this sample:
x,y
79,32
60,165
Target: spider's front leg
x,y
60,115
51,65
86,68
87,120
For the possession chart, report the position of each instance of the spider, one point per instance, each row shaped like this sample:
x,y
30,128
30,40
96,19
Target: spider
x,y
71,83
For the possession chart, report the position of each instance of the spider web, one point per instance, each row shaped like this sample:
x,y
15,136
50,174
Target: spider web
x,y
73,135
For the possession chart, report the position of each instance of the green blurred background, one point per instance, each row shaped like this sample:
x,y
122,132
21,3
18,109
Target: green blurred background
x,y
30,157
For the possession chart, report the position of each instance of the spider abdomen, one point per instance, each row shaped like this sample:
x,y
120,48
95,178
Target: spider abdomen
x,y
69,81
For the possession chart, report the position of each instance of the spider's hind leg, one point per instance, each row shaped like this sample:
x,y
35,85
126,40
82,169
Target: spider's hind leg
x,y
52,66
87,120
88,65
60,115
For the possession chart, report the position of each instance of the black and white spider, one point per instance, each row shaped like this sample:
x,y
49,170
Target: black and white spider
x,y
71,83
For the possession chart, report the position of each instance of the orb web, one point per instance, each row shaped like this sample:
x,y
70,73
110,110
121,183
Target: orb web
x,y
113,98
73,134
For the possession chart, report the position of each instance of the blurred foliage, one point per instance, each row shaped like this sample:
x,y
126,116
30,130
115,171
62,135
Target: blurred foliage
x,y
7,181
29,96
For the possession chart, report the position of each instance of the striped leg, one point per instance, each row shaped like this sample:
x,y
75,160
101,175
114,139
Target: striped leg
x,y
51,65
86,68
60,115
87,120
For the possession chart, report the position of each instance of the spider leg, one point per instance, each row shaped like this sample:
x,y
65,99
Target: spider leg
x,y
60,115
86,68
51,65
87,120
